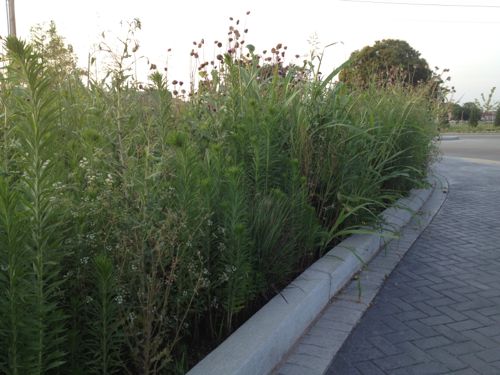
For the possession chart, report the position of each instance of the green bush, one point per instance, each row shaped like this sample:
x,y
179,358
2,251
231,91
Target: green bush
x,y
472,113
497,117
142,228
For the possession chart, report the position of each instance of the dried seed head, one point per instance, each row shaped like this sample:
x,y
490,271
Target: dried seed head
x,y
248,13
279,46
152,67
181,83
175,92
219,44
175,82
219,57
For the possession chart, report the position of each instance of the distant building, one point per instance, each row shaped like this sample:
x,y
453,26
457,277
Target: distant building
x,y
488,116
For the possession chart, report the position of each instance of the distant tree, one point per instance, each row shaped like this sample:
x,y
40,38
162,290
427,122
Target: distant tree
x,y
388,60
457,112
497,117
487,104
59,57
472,112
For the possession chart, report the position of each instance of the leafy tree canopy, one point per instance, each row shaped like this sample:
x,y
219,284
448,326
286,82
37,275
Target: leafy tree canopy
x,y
389,60
472,113
457,112
58,56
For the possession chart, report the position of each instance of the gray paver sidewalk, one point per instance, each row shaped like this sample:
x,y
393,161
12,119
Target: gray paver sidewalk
x,y
439,311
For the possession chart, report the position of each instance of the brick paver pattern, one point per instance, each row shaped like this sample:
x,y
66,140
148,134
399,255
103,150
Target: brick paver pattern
x,y
439,311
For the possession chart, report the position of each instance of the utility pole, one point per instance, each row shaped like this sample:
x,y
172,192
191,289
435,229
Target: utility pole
x,y
11,16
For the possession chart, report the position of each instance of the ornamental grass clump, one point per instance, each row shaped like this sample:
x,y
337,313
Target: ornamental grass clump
x,y
142,222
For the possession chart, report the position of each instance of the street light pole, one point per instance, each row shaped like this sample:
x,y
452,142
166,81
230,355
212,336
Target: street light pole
x,y
11,15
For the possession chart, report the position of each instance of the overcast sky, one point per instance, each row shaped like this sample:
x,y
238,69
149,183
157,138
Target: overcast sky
x,y
463,39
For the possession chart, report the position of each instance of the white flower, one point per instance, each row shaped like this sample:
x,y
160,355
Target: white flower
x,y
119,299
83,163
131,317
109,179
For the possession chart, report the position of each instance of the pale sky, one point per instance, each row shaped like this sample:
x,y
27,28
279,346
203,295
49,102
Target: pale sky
x,y
462,39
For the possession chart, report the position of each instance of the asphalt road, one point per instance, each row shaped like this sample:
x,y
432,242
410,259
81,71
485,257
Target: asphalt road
x,y
471,146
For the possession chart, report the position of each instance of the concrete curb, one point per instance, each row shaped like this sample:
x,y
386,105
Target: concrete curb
x,y
449,137
313,353
262,342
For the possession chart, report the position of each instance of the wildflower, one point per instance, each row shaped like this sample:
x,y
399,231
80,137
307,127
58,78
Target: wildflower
x,y
88,299
131,317
109,179
84,260
119,299
83,163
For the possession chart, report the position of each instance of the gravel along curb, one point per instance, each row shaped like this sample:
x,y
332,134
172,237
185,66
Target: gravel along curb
x,y
262,342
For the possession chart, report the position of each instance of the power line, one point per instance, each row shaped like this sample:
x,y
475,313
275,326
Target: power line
x,y
423,4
